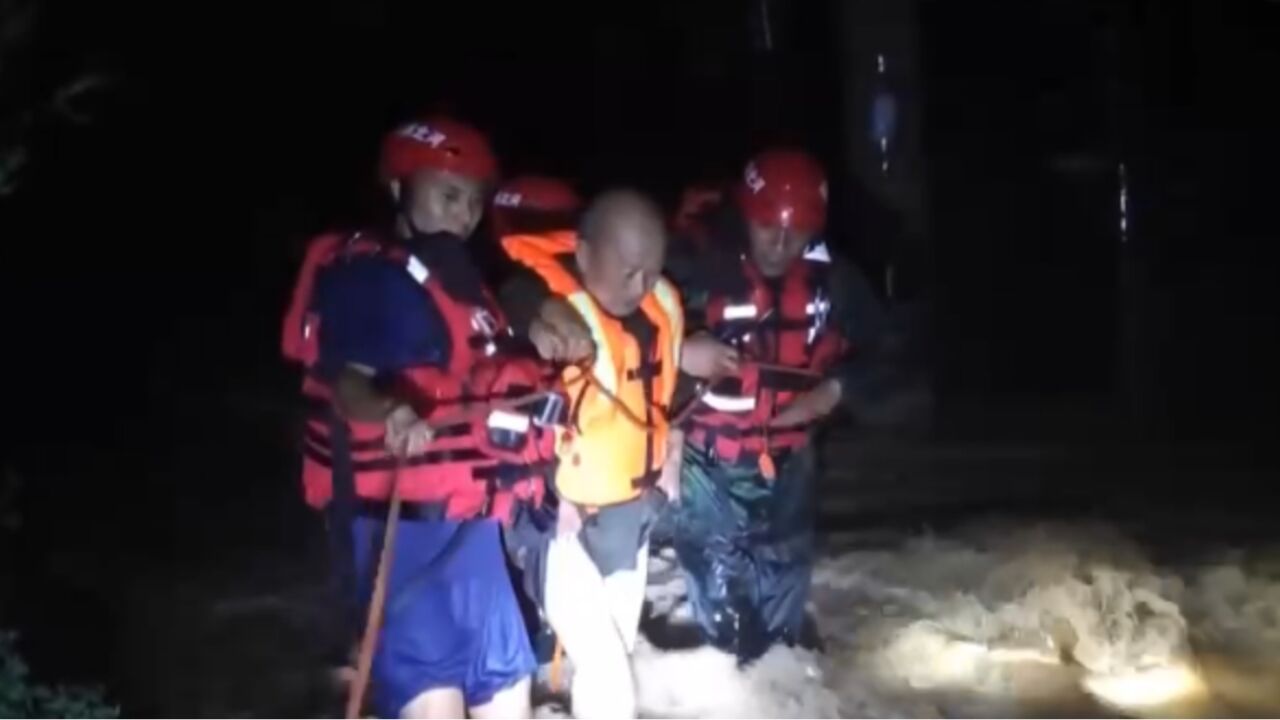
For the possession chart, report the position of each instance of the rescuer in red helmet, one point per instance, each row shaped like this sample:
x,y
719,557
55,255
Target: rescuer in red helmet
x,y
770,321
779,326
534,204
397,332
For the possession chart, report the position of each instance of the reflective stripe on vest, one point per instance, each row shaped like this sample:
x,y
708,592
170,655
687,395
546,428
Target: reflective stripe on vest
x,y
603,368
795,332
669,299
730,403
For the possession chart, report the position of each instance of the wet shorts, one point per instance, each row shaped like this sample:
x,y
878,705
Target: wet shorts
x,y
452,618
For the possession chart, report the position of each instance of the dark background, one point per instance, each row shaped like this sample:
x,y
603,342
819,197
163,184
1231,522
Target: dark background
x,y
148,254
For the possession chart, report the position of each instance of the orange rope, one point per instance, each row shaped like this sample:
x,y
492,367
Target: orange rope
x,y
585,374
557,666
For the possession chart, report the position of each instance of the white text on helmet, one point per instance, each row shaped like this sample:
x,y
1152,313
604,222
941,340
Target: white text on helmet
x,y
508,199
423,134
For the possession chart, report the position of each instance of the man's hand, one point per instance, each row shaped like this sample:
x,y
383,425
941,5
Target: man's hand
x,y
812,405
568,519
407,434
560,333
669,481
703,356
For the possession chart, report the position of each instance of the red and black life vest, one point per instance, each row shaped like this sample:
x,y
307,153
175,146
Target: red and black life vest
x,y
783,323
484,458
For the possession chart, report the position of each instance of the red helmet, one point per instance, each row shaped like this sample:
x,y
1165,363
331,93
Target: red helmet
x,y
784,187
695,200
536,192
438,143
533,203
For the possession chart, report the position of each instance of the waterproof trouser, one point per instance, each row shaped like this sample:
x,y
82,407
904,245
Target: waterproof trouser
x,y
746,545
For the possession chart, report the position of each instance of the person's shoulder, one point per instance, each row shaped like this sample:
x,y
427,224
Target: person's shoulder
x,y
374,266
383,280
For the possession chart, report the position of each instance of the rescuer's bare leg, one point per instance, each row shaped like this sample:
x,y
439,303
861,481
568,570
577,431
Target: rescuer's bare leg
x,y
510,703
436,703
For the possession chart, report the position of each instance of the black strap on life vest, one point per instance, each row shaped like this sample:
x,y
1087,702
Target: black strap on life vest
x,y
646,372
340,515
647,480
783,381
496,478
734,432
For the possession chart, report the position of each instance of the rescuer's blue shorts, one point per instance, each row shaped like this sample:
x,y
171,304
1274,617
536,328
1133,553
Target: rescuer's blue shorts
x,y
452,618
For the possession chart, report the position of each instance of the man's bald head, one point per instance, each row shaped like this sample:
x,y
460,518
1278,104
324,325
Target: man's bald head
x,y
622,243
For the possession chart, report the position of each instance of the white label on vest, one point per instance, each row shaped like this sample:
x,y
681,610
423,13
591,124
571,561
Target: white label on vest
x,y
417,269
739,312
503,420
730,403
483,322
818,253
818,307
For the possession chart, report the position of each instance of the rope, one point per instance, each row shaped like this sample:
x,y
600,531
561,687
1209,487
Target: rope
x,y
373,624
557,667
587,375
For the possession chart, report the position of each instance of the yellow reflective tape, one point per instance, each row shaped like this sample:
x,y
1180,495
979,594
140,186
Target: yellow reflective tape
x,y
669,300
604,369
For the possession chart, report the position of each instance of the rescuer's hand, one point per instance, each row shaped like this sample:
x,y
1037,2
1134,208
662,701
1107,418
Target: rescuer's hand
x,y
560,333
669,481
812,405
568,519
407,434
704,356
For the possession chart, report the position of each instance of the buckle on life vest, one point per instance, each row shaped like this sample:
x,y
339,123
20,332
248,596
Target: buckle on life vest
x,y
783,381
549,411
409,510
490,490
507,430
647,480
645,372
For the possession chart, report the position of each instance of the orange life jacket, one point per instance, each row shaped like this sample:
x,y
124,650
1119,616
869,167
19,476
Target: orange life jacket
x,y
790,328
606,455
483,462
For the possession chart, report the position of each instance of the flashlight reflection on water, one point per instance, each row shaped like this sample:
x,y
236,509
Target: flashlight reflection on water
x,y
1149,688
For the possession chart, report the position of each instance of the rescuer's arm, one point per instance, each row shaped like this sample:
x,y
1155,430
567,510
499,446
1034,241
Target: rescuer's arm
x,y
702,356
861,320
357,398
856,314
521,297
552,324
377,322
